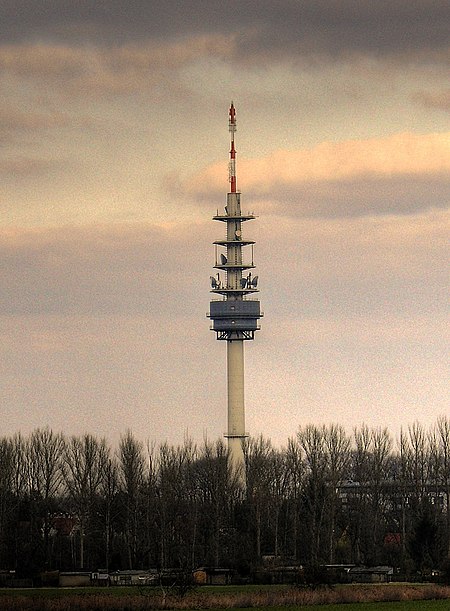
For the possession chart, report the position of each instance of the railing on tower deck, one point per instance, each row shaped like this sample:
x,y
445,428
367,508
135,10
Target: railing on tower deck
x,y
224,298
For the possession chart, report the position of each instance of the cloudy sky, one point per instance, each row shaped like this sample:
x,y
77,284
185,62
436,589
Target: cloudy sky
x,y
113,159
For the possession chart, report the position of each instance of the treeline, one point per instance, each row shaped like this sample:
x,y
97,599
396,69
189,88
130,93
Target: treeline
x,y
328,497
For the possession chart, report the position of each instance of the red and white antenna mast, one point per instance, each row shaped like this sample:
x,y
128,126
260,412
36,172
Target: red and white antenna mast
x,y
232,128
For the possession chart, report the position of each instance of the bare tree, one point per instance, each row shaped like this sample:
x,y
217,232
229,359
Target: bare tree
x,y
418,464
184,506
177,513
361,478
258,454
6,495
149,534
442,432
404,492
337,445
217,494
423,537
108,506
20,464
45,451
295,472
131,465
312,441
83,469
381,452
279,483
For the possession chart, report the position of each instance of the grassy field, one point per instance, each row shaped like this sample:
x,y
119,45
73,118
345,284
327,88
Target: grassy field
x,y
411,605
385,597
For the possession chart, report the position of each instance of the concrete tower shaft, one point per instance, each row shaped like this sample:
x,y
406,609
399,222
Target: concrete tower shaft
x,y
236,401
236,313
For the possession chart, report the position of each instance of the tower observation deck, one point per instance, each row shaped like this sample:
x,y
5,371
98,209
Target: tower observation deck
x,y
235,311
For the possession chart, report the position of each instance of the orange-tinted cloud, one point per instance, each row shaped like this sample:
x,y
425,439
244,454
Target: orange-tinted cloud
x,y
404,154
402,173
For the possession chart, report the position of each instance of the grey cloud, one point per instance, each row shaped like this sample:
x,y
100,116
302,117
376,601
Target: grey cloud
x,y
346,266
107,270
25,167
87,70
435,100
365,196
354,267
267,29
15,123
11,118
362,196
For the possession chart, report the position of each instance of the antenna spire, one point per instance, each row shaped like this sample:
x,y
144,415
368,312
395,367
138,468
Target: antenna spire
x,y
232,166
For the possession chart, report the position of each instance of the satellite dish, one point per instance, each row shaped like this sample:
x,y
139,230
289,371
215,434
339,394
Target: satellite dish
x,y
223,259
255,282
213,282
243,283
238,233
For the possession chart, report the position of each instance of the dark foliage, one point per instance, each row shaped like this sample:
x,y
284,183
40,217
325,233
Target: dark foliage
x,y
328,498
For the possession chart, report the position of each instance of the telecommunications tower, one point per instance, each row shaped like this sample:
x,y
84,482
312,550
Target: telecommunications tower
x,y
236,313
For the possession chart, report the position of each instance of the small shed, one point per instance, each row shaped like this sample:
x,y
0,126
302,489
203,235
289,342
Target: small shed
x,y
100,578
74,579
212,576
373,574
133,578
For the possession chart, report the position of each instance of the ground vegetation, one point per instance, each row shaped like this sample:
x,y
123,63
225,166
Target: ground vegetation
x,y
355,598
